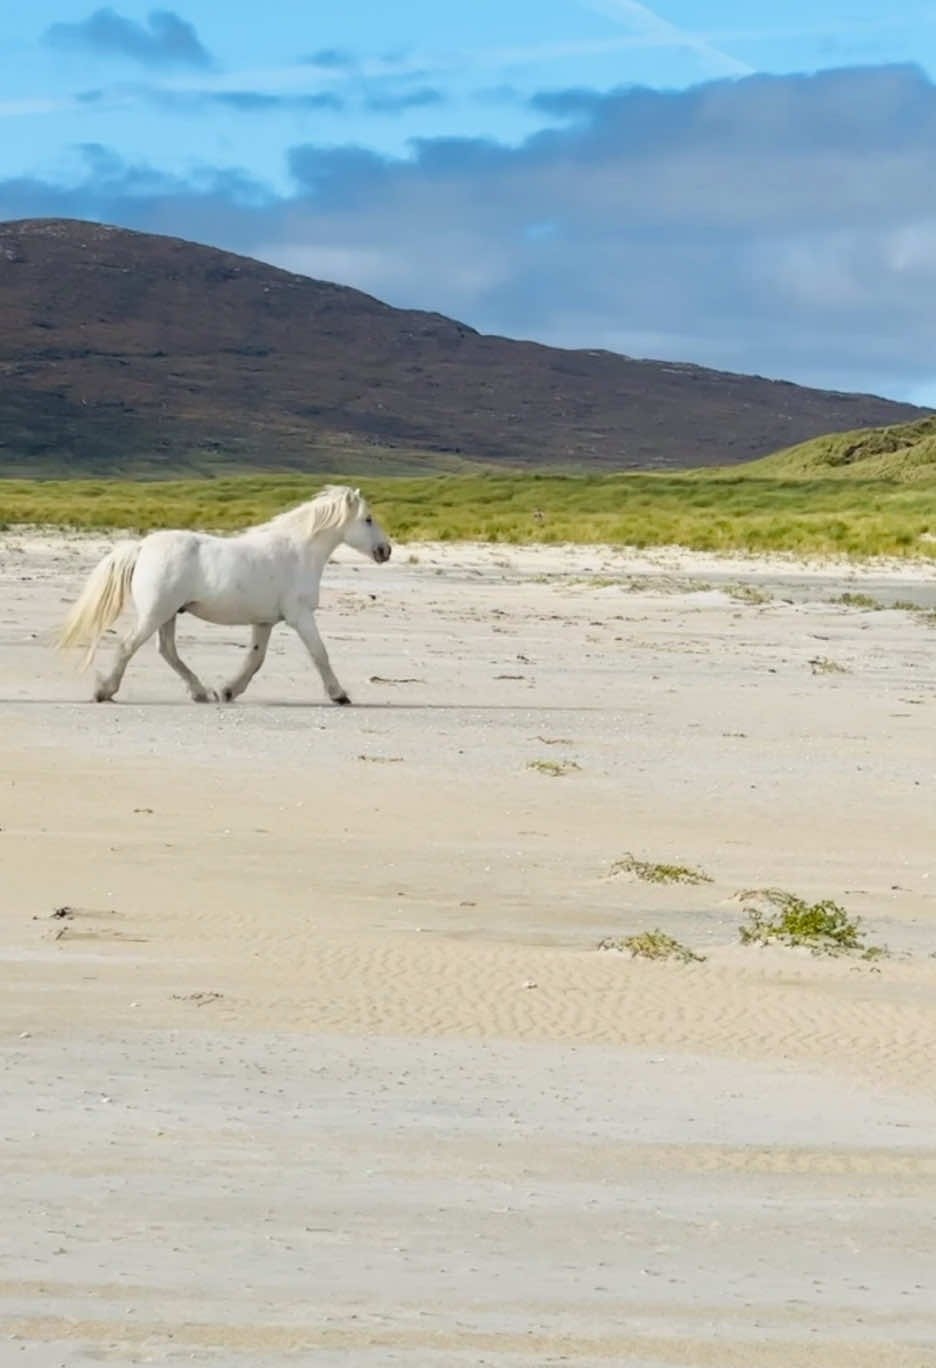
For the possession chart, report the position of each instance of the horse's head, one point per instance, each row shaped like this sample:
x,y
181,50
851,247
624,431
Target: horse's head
x,y
362,531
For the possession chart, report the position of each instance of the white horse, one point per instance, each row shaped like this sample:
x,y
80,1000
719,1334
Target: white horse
x,y
260,577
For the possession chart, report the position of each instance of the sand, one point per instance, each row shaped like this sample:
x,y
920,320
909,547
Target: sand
x,y
323,1064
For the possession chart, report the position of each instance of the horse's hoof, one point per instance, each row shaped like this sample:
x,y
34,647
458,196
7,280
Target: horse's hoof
x,y
227,695
203,696
342,699
101,696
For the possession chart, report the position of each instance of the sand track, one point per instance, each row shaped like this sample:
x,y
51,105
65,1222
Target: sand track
x,y
323,1065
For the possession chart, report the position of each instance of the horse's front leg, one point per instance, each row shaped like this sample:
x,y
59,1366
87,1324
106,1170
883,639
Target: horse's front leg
x,y
256,655
303,623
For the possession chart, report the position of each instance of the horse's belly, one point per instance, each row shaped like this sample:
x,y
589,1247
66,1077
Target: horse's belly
x,y
237,613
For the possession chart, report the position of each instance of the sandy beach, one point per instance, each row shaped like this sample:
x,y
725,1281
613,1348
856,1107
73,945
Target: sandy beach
x,y
322,1063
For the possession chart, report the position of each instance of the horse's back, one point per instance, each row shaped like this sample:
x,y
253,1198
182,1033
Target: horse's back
x,y
167,539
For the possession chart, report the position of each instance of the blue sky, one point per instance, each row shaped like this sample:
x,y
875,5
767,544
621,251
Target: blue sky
x,y
745,187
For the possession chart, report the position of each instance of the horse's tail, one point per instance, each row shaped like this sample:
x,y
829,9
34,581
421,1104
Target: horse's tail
x,y
101,601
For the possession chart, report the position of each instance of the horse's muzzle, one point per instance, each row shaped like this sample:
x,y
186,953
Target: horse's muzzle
x,y
382,553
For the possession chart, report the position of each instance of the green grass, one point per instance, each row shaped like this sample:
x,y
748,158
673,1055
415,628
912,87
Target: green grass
x,y
818,498
822,927
652,872
656,945
715,513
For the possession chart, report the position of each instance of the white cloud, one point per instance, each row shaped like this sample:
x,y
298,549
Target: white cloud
x,y
653,27
17,109
784,225
911,249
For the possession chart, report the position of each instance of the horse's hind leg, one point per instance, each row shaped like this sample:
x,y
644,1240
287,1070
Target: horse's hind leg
x,y
157,597
256,654
108,686
167,649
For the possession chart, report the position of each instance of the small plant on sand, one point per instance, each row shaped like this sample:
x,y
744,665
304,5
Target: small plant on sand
x,y
782,918
596,581
652,872
555,768
925,615
852,600
823,665
656,945
749,593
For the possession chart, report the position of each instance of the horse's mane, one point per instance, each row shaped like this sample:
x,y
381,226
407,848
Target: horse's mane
x,y
332,507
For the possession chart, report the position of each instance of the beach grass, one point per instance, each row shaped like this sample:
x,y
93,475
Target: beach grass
x,y
819,498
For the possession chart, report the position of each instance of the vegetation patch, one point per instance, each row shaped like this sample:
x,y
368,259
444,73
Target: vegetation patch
x,y
598,581
776,917
655,945
653,872
925,615
749,593
853,600
554,768
823,665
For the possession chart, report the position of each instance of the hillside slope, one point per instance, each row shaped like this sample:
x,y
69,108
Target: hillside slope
x,y
904,452
124,351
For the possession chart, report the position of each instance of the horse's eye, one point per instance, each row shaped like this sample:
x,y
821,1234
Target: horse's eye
x,y
369,520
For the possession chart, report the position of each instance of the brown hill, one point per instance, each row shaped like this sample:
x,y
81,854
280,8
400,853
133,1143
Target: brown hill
x,y
124,351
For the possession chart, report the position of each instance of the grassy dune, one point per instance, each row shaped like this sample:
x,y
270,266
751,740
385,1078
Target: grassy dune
x,y
860,494
905,452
